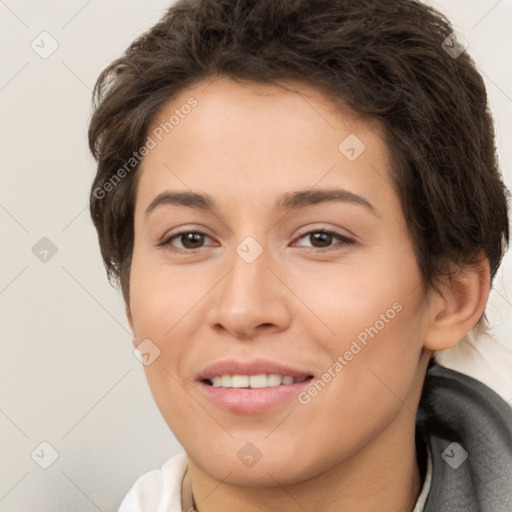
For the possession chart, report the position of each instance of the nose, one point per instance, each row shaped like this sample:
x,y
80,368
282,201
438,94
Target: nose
x,y
251,299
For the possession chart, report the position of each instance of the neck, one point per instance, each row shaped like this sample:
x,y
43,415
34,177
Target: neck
x,y
383,476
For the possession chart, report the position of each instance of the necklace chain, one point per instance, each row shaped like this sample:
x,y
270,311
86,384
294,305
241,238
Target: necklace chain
x,y
188,504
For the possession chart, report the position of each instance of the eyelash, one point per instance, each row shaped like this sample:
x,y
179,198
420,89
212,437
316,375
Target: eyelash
x,y
167,241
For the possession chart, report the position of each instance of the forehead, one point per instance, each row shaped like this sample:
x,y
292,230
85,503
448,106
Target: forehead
x,y
250,139
222,103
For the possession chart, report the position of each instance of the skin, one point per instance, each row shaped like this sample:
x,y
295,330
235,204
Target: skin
x,y
301,301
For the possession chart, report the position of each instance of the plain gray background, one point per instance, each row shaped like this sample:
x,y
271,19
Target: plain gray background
x,y
68,374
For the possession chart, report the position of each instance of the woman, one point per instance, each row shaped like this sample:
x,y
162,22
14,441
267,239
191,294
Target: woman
x,y
302,205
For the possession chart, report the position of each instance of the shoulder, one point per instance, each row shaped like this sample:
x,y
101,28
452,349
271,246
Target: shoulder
x,y
158,490
466,419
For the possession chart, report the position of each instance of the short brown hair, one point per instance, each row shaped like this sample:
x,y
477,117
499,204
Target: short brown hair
x,y
384,59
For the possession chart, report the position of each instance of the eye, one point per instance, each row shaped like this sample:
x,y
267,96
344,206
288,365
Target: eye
x,y
188,239
321,239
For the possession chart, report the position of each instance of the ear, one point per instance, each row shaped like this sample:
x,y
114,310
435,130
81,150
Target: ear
x,y
459,305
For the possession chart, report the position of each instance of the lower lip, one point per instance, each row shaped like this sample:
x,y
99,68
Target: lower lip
x,y
249,400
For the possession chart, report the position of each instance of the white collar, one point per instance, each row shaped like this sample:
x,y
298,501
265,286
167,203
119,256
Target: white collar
x,y
422,498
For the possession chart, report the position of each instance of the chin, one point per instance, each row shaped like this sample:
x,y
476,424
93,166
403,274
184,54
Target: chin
x,y
249,466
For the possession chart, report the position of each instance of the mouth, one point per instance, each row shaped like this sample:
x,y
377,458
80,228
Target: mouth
x,y
252,394
251,386
259,381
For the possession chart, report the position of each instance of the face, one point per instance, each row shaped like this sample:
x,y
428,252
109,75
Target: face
x,y
296,262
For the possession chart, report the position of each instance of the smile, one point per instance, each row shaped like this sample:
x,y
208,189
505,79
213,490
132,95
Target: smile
x,y
259,381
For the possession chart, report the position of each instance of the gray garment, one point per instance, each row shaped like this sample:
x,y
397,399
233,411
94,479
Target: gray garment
x,y
468,428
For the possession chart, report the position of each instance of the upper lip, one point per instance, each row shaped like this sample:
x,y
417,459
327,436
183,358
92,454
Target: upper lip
x,y
252,367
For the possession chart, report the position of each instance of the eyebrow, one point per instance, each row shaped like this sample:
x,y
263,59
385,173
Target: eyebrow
x,y
302,198
289,201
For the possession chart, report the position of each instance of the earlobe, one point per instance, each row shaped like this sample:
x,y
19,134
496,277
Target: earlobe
x,y
459,306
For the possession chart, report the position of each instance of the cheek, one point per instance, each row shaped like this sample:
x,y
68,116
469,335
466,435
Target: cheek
x,y
160,296
368,375
376,317
349,300
161,301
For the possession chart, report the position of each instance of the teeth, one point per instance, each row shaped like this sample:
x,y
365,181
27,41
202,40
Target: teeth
x,y
253,381
240,381
273,379
260,381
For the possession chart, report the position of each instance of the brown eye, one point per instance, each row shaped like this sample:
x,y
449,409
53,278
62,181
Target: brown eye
x,y
192,240
186,240
324,240
320,239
